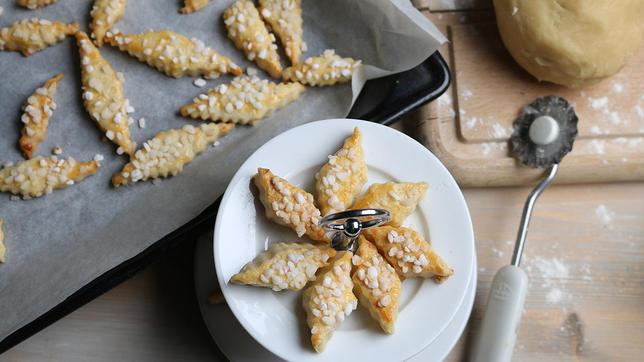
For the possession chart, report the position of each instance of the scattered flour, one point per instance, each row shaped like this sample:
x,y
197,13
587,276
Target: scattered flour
x,y
499,131
554,296
470,122
618,88
598,146
598,103
614,118
604,215
497,253
596,130
467,94
639,111
445,100
554,273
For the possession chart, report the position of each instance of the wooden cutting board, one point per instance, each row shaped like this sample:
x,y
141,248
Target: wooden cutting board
x,y
469,126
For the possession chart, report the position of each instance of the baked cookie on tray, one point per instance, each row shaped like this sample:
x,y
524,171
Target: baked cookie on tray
x,y
284,266
32,35
285,19
103,95
247,30
190,6
167,153
245,100
38,109
105,13
42,175
34,4
326,69
174,54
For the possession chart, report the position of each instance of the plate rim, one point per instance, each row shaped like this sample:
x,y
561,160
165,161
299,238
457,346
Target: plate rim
x,y
237,176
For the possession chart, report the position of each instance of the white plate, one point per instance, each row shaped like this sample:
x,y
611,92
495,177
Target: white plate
x,y
276,320
239,346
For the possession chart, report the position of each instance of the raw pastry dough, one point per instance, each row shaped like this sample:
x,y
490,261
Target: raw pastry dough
x,y
289,205
285,19
571,42
2,248
167,153
408,253
244,100
190,6
42,175
32,35
376,285
247,30
103,95
329,300
327,69
284,266
105,13
340,180
38,109
400,199
34,4
173,54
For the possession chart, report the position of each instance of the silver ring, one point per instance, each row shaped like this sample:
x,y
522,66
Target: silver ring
x,y
378,216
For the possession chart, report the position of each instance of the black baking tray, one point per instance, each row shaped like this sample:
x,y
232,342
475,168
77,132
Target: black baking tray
x,y
383,100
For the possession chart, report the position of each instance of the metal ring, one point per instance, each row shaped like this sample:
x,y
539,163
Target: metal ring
x,y
380,216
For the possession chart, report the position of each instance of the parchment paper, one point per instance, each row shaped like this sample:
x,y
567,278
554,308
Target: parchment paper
x,y
59,243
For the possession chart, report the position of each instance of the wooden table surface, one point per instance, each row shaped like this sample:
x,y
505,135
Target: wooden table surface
x,y
584,257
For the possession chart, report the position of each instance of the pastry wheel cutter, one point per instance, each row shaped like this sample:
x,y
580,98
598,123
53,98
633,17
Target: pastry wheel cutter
x,y
543,135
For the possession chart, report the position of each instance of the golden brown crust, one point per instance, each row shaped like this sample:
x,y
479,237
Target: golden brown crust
x,y
329,299
400,199
105,13
103,95
32,35
34,4
376,285
247,30
42,175
167,153
408,253
174,54
245,100
341,179
190,6
289,205
284,266
326,69
38,109
285,19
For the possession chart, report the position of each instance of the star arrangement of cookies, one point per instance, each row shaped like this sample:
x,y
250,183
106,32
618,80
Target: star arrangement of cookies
x,y
334,282
255,29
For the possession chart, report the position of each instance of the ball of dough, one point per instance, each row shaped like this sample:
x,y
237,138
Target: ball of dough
x,y
571,42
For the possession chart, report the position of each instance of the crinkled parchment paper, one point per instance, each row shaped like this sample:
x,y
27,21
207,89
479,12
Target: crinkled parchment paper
x,y
58,243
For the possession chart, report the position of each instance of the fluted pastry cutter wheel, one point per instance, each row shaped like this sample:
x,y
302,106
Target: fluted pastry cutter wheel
x,y
543,134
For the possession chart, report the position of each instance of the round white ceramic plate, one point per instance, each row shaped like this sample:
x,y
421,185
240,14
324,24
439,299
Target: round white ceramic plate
x,y
237,345
276,320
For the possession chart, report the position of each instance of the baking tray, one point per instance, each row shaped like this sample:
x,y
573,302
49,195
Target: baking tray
x,y
383,100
